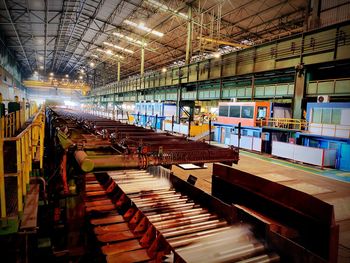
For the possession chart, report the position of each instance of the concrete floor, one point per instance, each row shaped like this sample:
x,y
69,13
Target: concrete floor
x,y
308,179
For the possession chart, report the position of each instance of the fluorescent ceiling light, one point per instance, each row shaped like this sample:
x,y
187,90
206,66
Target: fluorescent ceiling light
x,y
119,47
109,52
144,28
166,8
129,39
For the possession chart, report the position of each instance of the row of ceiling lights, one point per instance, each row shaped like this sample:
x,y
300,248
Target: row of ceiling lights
x,y
131,40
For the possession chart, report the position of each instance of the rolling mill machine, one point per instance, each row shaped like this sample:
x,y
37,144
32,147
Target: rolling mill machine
x,y
139,211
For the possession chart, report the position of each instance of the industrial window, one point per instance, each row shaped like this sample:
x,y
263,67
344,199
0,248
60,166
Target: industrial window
x,y
261,112
235,111
326,115
316,115
336,116
247,112
223,111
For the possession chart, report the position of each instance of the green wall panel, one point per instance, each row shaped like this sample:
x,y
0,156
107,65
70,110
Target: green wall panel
x,y
342,86
193,73
325,87
311,88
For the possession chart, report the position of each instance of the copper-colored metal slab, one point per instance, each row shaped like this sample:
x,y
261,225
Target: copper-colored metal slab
x,y
95,193
117,236
119,247
107,220
101,208
100,230
93,187
129,257
98,202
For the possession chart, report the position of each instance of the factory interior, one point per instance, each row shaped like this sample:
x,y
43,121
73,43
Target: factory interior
x,y
175,131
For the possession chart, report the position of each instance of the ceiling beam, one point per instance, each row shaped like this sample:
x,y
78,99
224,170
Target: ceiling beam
x,y
91,20
18,38
71,34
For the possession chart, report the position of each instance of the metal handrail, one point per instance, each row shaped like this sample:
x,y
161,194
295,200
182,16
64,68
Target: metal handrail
x,y
29,144
285,123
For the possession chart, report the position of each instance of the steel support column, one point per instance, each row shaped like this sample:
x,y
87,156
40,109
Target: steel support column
x,y
178,100
118,74
299,89
189,36
142,71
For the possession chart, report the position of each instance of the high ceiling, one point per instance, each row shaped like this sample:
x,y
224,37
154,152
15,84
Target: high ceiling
x,y
64,36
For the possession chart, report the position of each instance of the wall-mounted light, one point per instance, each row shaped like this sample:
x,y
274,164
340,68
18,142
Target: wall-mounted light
x,y
36,72
41,67
164,70
92,64
144,28
67,76
51,74
80,77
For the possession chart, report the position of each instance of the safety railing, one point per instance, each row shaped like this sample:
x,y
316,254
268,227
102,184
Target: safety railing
x,y
283,123
29,146
13,121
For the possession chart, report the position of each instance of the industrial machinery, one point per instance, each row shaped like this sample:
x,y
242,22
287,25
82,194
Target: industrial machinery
x,y
100,143
152,215
139,211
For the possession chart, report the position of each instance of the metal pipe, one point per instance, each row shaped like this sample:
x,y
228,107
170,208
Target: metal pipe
x,y
84,162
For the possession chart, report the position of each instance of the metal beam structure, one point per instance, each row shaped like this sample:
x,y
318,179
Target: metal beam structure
x,y
17,35
63,34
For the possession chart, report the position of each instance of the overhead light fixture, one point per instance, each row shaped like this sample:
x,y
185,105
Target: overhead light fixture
x,y
67,76
41,67
82,71
51,74
41,58
144,28
92,64
95,56
119,47
216,55
109,52
80,77
35,72
130,39
164,69
166,8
